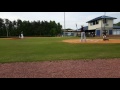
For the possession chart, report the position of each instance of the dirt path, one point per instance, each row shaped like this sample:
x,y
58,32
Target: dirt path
x,y
62,69
92,41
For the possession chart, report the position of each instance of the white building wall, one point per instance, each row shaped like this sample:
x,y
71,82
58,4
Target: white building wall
x,y
94,26
109,23
98,26
116,31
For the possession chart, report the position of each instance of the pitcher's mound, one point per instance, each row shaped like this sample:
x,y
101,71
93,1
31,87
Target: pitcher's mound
x,y
92,41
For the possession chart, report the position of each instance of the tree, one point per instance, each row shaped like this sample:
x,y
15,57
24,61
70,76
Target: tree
x,y
19,24
117,24
35,28
10,28
53,32
59,28
14,31
1,25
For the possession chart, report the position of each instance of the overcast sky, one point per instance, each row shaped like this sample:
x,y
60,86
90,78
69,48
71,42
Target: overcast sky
x,y
71,18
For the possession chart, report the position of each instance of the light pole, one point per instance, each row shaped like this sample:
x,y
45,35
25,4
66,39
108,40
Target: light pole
x,y
64,23
6,25
104,19
77,30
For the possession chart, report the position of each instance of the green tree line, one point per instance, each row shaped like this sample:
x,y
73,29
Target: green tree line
x,y
34,28
117,24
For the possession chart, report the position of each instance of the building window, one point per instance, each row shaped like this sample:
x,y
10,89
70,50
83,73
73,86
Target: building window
x,y
104,21
94,23
91,24
97,22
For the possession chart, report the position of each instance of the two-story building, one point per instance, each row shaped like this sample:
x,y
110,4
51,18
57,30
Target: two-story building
x,y
96,27
99,24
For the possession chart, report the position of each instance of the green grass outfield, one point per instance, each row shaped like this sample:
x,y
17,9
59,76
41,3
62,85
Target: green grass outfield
x,y
51,48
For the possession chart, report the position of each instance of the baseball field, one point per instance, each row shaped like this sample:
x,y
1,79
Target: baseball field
x,y
59,57
32,49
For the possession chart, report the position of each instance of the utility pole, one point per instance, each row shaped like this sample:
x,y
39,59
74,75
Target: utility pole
x,y
64,23
104,31
77,30
104,20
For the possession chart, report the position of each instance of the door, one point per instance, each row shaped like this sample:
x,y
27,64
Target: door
x,y
110,32
97,32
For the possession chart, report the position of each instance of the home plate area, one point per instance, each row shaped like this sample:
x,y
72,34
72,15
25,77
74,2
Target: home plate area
x,y
92,41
